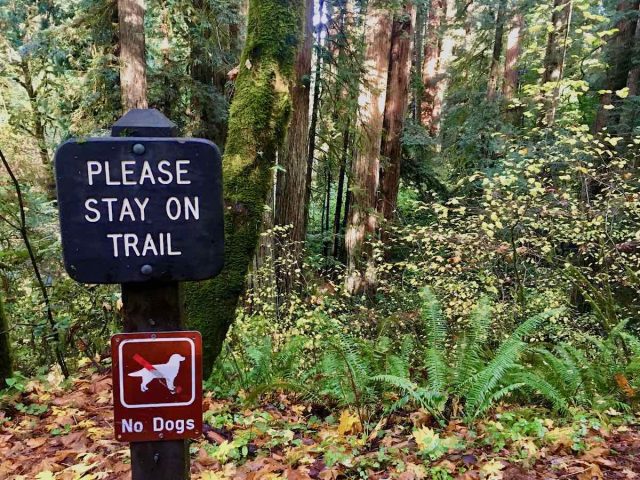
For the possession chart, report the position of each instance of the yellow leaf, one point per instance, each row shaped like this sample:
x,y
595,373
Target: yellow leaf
x,y
213,476
349,423
45,475
623,93
426,438
223,451
591,473
492,470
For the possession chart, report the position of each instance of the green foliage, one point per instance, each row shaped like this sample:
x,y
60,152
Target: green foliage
x,y
476,376
603,374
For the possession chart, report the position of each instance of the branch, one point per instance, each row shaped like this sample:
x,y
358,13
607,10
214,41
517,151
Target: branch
x,y
36,270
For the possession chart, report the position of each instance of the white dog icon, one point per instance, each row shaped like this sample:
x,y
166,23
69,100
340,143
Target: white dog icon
x,y
164,371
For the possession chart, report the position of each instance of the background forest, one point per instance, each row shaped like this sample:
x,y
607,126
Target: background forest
x,y
432,205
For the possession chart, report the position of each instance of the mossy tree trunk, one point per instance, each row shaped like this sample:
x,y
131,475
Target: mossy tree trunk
x,y
5,348
257,122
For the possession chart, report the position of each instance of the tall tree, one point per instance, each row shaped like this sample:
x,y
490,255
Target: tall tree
x,y
630,112
133,76
5,348
395,108
620,64
436,86
512,55
258,121
363,220
633,78
494,70
291,182
430,63
554,58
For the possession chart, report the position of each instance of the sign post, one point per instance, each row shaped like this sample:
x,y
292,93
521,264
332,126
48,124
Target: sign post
x,y
144,209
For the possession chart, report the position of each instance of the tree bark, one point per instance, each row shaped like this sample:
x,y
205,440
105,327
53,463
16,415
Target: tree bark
x,y
446,55
5,348
634,73
554,58
418,52
395,109
620,56
133,77
291,185
630,109
494,70
430,63
512,55
363,221
258,120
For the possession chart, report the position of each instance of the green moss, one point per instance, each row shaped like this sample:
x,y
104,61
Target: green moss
x,y
257,121
5,348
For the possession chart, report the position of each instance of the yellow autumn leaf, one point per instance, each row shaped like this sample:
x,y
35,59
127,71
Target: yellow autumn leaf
x,y
623,92
212,476
561,436
45,475
349,423
426,438
223,451
492,470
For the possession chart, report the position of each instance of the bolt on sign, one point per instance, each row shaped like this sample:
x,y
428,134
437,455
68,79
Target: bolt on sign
x,y
137,209
157,380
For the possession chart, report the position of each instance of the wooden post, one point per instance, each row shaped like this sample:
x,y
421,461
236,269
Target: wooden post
x,y
153,307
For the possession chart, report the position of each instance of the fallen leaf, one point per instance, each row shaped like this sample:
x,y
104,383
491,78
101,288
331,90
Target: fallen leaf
x,y
349,423
593,472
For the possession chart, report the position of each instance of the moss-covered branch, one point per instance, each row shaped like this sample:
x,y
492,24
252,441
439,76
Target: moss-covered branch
x,y
257,122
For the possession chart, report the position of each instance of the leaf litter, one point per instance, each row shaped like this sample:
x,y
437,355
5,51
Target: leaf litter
x,y
71,438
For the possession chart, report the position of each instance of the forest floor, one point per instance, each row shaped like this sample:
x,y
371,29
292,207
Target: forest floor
x,y
63,430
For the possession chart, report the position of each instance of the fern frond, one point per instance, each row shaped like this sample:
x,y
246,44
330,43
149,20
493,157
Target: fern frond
x,y
493,399
539,386
473,341
436,332
433,319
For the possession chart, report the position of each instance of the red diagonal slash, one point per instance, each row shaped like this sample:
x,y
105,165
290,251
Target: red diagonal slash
x,y
144,363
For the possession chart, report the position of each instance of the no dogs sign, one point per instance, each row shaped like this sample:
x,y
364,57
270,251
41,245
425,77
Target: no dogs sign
x,y
139,208
157,385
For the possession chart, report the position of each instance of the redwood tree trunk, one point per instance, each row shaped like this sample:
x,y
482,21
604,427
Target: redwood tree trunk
x,y
619,59
435,70
395,109
291,185
430,62
363,221
510,85
494,70
554,59
133,77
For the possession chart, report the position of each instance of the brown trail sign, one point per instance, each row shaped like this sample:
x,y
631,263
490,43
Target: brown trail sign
x,y
156,385
144,209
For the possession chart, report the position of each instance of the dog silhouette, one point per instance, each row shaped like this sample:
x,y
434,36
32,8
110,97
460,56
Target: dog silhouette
x,y
163,371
